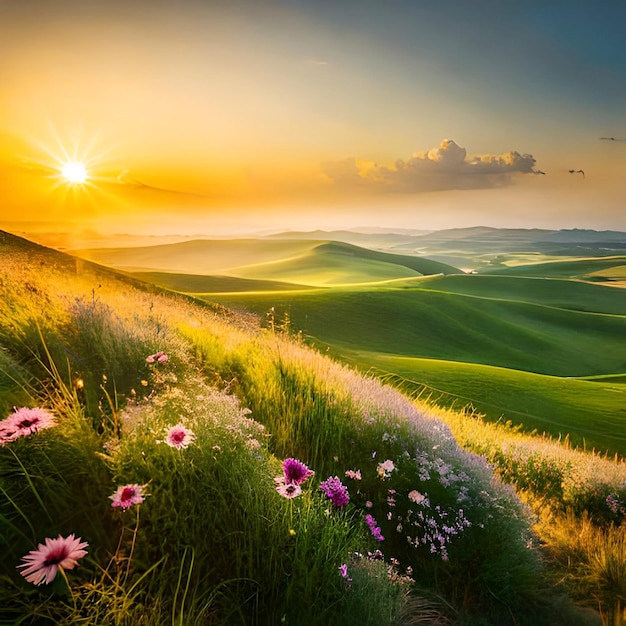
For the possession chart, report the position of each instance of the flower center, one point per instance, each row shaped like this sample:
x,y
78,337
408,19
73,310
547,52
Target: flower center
x,y
127,493
27,423
55,556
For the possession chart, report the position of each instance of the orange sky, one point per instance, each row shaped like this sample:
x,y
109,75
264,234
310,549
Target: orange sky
x,y
243,116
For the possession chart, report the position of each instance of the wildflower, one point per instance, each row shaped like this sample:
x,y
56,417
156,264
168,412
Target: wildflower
x,y
289,491
335,491
374,528
24,422
41,565
295,472
615,504
355,475
127,495
158,357
384,469
292,532
179,437
343,570
369,504
416,496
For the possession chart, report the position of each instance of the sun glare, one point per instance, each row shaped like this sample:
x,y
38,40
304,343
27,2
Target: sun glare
x,y
74,173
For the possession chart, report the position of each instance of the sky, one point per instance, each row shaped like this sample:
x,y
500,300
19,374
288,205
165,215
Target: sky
x,y
239,116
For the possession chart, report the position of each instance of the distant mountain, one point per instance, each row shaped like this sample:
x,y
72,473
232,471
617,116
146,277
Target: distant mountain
x,y
577,235
480,234
378,240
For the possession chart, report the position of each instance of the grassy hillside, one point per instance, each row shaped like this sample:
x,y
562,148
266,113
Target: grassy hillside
x,y
591,413
551,292
455,327
583,269
442,331
304,262
194,284
209,536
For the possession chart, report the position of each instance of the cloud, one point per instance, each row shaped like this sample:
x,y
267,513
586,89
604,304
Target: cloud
x,y
445,167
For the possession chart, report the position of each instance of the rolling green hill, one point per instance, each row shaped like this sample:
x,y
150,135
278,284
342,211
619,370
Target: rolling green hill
x,y
559,293
513,341
305,262
506,345
584,269
194,284
591,413
456,327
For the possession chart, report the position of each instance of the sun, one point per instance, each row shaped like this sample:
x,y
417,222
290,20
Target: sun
x,y
74,173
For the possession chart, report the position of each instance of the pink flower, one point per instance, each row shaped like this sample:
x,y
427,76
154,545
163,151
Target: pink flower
x,y
355,475
179,437
157,357
127,495
289,491
25,422
296,472
343,570
384,469
416,496
41,565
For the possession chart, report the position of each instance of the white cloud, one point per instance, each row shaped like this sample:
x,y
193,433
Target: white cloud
x,y
445,167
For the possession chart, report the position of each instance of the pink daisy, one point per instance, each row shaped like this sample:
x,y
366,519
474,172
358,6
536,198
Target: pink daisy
x,y
179,437
127,495
25,422
41,565
289,491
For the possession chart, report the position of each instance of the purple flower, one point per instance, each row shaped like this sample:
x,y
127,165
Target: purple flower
x,y
296,472
335,491
374,528
343,570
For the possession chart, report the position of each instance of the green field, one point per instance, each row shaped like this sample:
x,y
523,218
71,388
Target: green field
x,y
592,413
584,269
514,343
451,326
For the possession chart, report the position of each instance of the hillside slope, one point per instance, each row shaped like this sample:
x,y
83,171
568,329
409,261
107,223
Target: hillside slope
x,y
197,464
305,262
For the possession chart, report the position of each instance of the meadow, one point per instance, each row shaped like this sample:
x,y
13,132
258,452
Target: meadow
x,y
531,307
165,444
